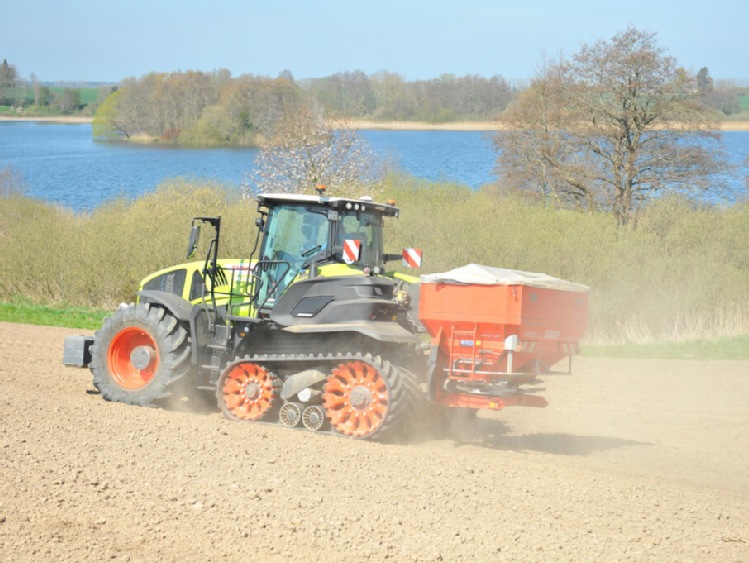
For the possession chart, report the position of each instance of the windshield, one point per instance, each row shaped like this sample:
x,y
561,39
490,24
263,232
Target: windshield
x,y
293,233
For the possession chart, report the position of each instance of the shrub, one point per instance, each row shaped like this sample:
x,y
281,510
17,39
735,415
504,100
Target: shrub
x,y
682,274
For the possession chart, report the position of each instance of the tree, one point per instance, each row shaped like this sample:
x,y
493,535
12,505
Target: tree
x,y
704,82
7,75
11,182
42,95
611,129
537,154
346,94
7,83
725,100
70,100
107,122
308,151
391,97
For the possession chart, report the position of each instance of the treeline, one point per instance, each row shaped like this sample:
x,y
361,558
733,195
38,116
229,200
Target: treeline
x,y
726,97
52,100
197,108
216,109
33,97
682,275
387,96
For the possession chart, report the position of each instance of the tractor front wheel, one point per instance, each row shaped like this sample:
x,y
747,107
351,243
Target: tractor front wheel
x,y
140,355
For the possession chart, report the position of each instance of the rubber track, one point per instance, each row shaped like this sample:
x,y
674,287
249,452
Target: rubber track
x,y
403,390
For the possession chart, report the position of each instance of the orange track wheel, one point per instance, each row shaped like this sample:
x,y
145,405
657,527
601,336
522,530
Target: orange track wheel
x,y
356,399
247,391
132,358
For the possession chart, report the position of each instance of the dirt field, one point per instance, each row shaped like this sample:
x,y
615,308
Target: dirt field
x,y
632,460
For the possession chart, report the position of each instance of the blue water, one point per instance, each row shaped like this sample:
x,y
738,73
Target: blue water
x,y
465,157
62,164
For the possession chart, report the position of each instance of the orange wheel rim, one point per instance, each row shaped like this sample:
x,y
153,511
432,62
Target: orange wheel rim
x,y
248,391
356,398
132,359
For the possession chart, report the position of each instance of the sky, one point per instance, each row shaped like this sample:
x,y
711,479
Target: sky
x,y
110,40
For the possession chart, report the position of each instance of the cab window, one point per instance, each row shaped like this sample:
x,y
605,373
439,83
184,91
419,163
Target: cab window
x,y
169,282
366,227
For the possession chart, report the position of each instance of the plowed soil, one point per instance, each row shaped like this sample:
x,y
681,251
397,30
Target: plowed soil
x,y
631,460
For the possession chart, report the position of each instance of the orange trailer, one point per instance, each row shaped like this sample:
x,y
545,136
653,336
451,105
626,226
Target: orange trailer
x,y
493,331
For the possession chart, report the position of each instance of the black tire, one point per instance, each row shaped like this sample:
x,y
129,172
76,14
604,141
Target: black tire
x,y
141,356
393,411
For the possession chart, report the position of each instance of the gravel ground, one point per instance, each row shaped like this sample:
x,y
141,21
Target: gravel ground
x,y
632,460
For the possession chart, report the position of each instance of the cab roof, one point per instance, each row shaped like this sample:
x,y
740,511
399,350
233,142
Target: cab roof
x,y
343,203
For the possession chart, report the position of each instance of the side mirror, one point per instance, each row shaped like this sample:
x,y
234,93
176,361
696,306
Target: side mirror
x,y
260,224
192,245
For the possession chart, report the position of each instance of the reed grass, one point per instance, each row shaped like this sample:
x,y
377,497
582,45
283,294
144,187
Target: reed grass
x,y
681,275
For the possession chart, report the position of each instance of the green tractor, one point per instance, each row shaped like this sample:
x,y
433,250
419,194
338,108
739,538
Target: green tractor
x,y
308,331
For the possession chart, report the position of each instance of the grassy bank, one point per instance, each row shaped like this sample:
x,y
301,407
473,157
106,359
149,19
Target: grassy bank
x,y
729,348
21,310
681,276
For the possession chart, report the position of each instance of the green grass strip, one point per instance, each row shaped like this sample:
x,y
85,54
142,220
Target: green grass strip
x,y
21,310
729,348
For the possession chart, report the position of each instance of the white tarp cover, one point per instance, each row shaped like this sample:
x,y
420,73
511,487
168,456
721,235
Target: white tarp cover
x,y
486,275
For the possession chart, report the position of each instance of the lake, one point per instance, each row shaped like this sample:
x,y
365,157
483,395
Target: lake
x,y
62,164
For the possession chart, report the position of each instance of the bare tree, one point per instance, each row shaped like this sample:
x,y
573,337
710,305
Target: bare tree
x,y
537,153
11,182
307,151
613,127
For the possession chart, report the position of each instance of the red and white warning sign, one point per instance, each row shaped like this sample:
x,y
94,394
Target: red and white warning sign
x,y
351,251
412,257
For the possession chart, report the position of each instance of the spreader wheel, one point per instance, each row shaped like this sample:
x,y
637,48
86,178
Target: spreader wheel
x,y
247,391
140,355
363,398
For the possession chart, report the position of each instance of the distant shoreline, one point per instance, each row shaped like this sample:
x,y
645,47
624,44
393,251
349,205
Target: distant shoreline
x,y
50,118
478,125
378,125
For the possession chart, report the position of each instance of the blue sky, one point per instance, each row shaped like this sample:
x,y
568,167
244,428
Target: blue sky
x,y
108,40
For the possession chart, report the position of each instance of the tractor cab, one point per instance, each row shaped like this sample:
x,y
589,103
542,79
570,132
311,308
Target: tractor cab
x,y
307,236
300,237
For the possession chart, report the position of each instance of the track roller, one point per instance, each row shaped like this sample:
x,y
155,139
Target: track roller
x,y
290,414
313,417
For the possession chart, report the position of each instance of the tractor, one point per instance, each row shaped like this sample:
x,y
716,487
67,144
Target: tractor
x,y
307,331
311,331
